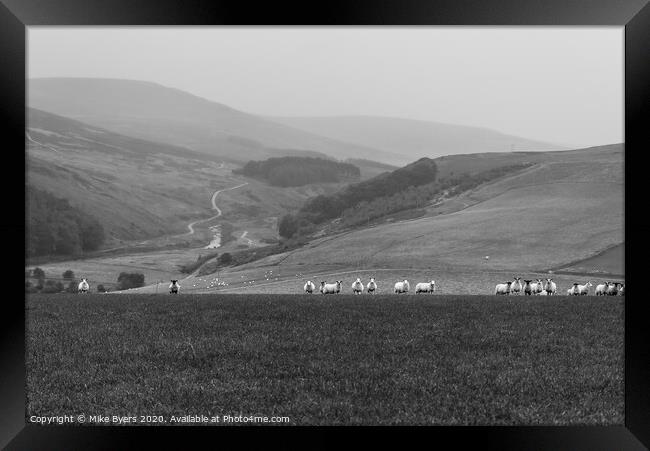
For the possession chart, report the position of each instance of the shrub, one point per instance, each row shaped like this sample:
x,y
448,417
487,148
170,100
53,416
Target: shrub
x,y
101,289
38,273
130,280
225,258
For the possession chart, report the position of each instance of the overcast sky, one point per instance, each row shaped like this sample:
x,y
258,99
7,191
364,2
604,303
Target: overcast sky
x,y
562,85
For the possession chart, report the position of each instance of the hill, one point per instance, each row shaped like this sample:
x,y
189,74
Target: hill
x,y
157,113
564,208
141,190
299,171
413,138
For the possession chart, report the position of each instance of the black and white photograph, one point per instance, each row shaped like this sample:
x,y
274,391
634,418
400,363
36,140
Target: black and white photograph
x,y
325,225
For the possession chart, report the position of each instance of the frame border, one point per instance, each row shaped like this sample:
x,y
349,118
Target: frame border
x,y
16,15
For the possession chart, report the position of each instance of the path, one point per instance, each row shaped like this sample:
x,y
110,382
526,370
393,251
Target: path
x,y
191,225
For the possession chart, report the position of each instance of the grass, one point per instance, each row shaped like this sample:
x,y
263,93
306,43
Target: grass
x,y
329,359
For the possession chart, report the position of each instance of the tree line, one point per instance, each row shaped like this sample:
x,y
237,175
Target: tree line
x,y
54,227
297,171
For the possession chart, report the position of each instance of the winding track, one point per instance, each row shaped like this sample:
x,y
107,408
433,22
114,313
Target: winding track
x,y
191,225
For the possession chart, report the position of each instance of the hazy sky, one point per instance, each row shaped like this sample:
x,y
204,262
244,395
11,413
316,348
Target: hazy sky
x,y
558,84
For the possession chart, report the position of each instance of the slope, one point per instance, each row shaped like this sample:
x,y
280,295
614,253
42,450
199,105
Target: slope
x,y
413,138
160,114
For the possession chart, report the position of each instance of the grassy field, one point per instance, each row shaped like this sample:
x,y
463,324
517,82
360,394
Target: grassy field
x,y
329,359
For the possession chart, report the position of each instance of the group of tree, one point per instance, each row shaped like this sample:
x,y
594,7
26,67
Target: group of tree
x,y
403,189
325,207
54,227
298,171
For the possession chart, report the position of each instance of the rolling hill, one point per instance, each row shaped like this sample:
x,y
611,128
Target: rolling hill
x,y
566,207
139,190
413,138
156,113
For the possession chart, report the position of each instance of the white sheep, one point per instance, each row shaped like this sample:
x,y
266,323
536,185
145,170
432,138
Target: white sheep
x,y
612,289
425,287
582,290
83,286
515,287
621,290
372,286
542,293
402,287
538,286
309,287
357,286
550,287
329,288
528,287
174,287
601,289
503,288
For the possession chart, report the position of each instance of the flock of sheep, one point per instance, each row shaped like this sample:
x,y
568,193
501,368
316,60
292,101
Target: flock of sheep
x,y
515,287
371,288
549,288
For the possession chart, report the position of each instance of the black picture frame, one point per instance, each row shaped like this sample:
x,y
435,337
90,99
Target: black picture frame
x,y
634,15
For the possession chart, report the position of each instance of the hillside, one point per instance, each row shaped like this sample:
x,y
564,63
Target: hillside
x,y
156,113
413,138
139,189
566,207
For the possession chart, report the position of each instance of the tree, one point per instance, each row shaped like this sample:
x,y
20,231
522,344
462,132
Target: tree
x,y
101,289
225,258
68,275
130,280
288,226
38,274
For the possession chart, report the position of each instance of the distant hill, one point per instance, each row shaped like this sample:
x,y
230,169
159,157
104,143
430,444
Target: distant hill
x,y
160,114
413,138
299,171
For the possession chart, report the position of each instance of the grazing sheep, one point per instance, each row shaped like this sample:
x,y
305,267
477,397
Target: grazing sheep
x,y
372,286
329,288
174,287
425,287
357,286
528,289
601,289
542,293
309,287
515,288
583,290
83,286
612,289
402,287
550,287
573,291
503,288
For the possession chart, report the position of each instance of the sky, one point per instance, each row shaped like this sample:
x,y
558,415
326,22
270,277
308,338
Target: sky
x,y
562,85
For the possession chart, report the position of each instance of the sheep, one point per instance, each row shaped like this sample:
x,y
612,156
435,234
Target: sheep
x,y
601,289
538,287
83,286
573,291
329,288
309,287
612,289
174,287
425,287
550,287
503,288
357,286
372,286
515,288
582,290
621,291
528,288
402,287
338,286
542,293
